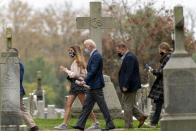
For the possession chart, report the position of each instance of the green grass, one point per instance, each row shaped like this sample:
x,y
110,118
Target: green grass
x,y
148,129
49,124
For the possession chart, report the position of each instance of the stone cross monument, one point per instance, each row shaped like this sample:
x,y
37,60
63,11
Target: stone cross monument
x,y
40,97
95,23
39,91
9,38
10,87
0,102
179,84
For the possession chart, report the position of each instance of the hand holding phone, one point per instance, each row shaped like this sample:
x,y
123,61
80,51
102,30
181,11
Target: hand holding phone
x,y
148,67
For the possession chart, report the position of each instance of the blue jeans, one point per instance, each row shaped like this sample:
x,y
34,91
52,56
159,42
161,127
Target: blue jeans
x,y
156,116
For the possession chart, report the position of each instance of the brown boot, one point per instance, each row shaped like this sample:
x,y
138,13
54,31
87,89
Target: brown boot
x,y
142,120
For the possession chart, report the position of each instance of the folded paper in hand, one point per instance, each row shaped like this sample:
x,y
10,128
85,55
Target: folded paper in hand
x,y
78,83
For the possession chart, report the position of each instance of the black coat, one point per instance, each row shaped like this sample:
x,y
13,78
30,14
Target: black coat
x,y
129,76
156,92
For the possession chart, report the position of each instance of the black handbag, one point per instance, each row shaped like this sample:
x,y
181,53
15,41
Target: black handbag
x,y
72,79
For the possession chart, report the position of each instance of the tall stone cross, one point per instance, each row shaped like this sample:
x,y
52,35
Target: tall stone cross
x,y
9,38
39,91
10,88
179,80
95,23
179,32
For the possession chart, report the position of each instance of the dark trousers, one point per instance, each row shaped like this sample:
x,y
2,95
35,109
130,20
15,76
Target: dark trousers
x,y
130,108
156,116
94,95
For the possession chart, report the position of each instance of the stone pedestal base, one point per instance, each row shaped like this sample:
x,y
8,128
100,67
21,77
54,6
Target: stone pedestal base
x,y
185,122
11,118
40,108
13,128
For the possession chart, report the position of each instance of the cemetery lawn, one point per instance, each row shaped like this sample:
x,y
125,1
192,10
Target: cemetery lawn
x,y
49,124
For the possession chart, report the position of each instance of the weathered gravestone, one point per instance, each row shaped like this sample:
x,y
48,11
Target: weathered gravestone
x,y
33,104
40,109
52,114
143,102
26,103
151,80
179,84
39,91
0,102
10,88
40,95
96,23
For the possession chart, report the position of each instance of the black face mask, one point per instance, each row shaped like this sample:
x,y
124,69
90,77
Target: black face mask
x,y
72,54
162,53
120,55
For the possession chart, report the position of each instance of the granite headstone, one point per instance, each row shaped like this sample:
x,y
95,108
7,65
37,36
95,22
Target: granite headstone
x,y
10,88
52,114
26,103
40,109
179,84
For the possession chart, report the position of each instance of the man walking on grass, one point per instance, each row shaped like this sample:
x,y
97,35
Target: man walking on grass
x,y
129,82
96,82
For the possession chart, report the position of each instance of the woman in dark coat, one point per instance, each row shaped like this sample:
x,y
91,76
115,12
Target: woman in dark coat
x,y
156,92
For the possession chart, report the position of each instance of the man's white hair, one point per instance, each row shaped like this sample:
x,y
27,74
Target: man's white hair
x,y
90,42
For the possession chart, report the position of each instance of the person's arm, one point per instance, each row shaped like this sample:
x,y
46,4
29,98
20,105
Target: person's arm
x,y
94,67
75,72
21,71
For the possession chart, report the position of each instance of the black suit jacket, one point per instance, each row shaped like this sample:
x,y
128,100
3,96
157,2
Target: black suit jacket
x,y
129,76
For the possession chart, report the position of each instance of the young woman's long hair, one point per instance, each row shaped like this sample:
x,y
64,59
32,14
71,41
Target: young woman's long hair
x,y
164,46
79,57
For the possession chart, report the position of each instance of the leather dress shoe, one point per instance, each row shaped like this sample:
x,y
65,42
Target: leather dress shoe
x,y
77,127
142,120
107,128
35,128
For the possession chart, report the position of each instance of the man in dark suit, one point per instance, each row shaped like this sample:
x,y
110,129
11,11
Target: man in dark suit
x,y
129,82
95,80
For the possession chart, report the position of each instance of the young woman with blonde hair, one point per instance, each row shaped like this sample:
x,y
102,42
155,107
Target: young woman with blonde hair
x,y
77,72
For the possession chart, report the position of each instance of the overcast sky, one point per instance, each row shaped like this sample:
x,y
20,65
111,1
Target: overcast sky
x,y
189,5
84,3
